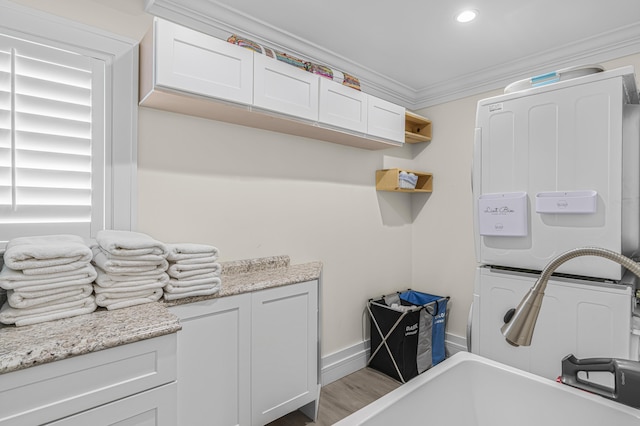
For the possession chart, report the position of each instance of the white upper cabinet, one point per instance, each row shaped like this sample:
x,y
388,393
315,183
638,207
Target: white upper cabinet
x,y
342,106
385,120
193,62
189,72
283,88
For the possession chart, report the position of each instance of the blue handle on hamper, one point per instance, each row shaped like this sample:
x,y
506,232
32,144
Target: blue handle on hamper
x,y
438,332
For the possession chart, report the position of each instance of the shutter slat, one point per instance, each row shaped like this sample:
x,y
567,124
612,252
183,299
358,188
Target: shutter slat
x,y
52,161
52,90
53,197
52,108
43,213
53,179
30,141
52,125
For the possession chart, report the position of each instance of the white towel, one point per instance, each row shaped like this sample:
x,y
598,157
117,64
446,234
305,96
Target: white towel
x,y
128,288
109,262
207,279
142,259
111,281
27,299
127,243
47,254
101,261
11,279
174,296
183,251
48,312
122,300
195,260
179,271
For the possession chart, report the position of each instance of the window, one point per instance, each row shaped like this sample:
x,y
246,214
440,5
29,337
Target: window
x,y
67,127
51,140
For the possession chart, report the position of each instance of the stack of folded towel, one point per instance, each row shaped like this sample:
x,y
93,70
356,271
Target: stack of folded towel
x,y
194,271
46,278
131,269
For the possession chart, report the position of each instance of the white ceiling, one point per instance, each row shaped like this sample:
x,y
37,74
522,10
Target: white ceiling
x,y
413,52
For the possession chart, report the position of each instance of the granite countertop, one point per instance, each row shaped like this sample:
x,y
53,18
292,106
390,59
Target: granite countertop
x,y
244,276
23,347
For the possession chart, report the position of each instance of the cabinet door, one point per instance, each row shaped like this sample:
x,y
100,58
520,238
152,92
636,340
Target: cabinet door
x,y
284,355
214,362
385,119
342,106
284,88
156,407
190,61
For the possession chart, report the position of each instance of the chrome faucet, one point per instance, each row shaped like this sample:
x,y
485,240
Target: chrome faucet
x,y
519,330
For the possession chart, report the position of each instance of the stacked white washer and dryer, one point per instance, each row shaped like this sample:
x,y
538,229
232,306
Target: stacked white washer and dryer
x,y
557,166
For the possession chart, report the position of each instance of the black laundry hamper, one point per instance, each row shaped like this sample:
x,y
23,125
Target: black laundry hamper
x,y
407,333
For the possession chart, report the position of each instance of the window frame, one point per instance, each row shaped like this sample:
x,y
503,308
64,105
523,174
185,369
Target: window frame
x,y
120,55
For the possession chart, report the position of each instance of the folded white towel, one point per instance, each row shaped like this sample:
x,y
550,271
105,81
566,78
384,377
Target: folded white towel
x,y
48,312
195,260
183,251
206,279
112,300
128,289
208,292
47,254
101,261
142,259
172,288
113,281
127,243
12,279
182,290
176,270
27,299
109,262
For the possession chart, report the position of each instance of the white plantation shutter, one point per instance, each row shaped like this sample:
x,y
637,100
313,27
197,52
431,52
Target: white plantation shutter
x,y
52,141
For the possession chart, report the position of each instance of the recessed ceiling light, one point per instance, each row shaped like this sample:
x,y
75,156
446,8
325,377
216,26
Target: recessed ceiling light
x,y
466,15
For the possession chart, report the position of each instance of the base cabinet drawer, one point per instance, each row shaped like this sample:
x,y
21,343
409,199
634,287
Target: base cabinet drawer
x,y
56,390
155,407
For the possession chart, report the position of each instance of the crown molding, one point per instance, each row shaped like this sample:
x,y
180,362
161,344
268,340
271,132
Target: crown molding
x,y
601,48
218,20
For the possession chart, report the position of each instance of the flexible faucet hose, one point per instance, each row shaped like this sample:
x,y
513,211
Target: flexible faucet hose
x,y
588,251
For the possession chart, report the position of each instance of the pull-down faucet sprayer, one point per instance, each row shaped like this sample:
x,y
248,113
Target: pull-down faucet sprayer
x,y
519,330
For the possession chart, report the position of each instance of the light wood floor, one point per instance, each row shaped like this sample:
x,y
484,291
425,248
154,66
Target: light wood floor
x,y
343,397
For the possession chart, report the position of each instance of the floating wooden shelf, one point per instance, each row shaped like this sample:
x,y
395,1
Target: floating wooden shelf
x,y
417,128
387,180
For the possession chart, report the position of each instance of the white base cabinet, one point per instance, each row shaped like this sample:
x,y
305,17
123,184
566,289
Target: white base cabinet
x,y
132,384
284,350
249,359
213,362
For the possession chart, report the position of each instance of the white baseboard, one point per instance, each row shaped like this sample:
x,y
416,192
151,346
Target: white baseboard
x,y
342,363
